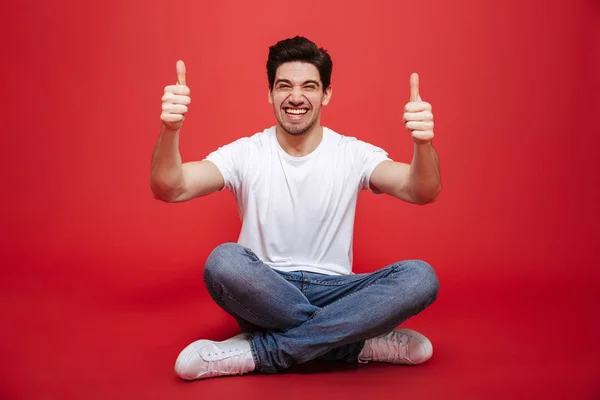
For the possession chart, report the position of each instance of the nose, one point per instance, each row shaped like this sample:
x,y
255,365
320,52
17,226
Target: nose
x,y
296,95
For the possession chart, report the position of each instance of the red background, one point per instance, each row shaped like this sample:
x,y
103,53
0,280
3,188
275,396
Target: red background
x,y
101,284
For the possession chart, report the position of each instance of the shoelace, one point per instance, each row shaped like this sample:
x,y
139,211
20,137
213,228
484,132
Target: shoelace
x,y
232,362
387,348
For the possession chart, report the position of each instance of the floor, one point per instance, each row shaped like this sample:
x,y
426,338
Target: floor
x,y
91,337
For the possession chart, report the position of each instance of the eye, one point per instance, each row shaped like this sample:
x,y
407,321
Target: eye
x,y
283,86
310,87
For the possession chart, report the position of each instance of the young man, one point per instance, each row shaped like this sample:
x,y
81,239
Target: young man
x,y
288,280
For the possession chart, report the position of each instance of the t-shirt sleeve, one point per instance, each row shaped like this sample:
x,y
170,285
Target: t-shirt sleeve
x,y
368,157
229,159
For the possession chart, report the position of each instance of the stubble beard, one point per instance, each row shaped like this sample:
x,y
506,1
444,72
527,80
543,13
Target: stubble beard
x,y
296,130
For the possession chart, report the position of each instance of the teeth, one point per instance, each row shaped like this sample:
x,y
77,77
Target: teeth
x,y
296,112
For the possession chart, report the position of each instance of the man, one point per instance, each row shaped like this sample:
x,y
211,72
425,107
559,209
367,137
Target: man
x,y
288,281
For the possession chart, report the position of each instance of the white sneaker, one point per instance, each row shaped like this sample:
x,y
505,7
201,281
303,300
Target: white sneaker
x,y
400,346
206,359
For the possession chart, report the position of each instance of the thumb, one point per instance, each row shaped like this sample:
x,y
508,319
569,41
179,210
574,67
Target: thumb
x,y
180,67
414,87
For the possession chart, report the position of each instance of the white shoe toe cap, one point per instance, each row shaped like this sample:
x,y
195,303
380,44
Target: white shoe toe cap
x,y
420,348
189,363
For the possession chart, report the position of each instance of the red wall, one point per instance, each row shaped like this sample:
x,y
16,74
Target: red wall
x,y
514,87
513,84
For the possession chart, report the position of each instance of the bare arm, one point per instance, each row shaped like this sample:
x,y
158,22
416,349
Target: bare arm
x,y
419,182
173,181
425,180
170,179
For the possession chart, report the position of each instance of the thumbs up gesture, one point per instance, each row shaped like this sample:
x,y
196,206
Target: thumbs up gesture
x,y
417,114
175,101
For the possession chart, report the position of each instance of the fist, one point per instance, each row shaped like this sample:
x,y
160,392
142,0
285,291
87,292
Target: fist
x,y
417,114
175,101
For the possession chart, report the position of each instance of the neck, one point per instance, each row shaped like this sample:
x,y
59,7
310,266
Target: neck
x,y
301,145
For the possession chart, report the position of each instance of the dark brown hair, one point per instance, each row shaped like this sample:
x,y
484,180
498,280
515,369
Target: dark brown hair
x,y
299,49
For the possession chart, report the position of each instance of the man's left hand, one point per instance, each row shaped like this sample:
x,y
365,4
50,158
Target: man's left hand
x,y
417,114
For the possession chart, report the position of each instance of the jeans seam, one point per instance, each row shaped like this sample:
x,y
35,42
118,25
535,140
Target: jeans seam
x,y
394,267
345,297
253,351
255,355
292,279
270,326
328,283
304,286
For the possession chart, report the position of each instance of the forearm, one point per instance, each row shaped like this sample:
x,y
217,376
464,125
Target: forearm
x,y
166,173
425,180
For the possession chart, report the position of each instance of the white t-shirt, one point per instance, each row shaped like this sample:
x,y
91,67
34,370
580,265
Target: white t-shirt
x,y
298,212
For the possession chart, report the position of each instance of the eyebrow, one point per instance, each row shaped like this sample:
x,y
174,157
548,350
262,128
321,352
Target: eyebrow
x,y
290,82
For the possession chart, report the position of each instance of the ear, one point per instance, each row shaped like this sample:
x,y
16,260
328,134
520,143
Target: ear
x,y
327,96
270,97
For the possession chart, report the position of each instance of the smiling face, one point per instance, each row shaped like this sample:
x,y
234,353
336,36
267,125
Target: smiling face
x,y
297,96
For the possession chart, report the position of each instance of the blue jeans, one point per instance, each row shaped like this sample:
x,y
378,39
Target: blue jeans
x,y
294,317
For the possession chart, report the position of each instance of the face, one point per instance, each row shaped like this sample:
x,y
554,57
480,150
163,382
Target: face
x,y
297,96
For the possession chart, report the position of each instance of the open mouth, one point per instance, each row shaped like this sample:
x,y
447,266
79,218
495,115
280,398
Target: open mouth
x,y
295,113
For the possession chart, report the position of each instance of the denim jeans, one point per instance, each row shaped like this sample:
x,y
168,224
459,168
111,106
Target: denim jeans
x,y
295,317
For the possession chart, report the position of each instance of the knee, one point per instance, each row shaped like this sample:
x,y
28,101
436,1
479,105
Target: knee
x,y
222,261
425,279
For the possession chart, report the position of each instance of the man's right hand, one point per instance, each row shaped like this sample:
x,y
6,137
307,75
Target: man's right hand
x,y
175,101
